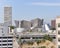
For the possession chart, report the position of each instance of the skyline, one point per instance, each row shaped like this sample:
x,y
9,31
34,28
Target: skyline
x,y
30,9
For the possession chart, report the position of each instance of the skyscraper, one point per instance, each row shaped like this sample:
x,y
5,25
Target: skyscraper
x,y
8,16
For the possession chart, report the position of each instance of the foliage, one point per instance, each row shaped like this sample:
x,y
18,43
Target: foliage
x,y
47,37
43,47
30,43
30,30
38,41
12,27
43,40
19,41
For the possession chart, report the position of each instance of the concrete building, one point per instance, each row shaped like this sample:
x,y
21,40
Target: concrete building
x,y
8,16
6,40
34,36
53,23
17,23
37,23
58,31
23,24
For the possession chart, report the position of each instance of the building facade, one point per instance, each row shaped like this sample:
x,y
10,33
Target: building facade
x,y
8,16
37,23
58,31
53,23
23,24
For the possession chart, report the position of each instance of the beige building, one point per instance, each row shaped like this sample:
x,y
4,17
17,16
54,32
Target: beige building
x,y
58,31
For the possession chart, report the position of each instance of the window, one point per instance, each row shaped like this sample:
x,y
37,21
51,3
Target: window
x,y
10,37
9,44
58,39
58,32
4,37
58,46
10,47
4,41
9,40
25,37
37,37
59,25
4,44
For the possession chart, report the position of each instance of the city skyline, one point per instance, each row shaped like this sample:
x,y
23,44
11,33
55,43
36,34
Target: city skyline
x,y
30,9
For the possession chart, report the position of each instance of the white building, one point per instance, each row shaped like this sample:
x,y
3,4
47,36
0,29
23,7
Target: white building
x,y
6,40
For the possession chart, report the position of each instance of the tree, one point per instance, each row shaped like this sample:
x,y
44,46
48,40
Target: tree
x,y
12,27
47,37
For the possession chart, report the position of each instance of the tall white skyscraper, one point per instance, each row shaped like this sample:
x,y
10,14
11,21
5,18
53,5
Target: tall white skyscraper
x,y
8,16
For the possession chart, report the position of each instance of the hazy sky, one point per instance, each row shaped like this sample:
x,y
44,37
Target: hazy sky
x,y
30,9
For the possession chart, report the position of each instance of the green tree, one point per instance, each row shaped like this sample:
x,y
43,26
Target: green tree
x,y
47,37
12,27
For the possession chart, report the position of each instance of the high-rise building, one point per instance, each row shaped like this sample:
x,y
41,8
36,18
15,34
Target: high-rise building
x,y
37,23
53,23
8,16
6,40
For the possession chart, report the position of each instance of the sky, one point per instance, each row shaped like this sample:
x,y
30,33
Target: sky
x,y
31,9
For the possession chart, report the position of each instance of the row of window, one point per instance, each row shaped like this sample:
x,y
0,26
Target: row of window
x,y
34,37
4,44
5,37
7,47
6,41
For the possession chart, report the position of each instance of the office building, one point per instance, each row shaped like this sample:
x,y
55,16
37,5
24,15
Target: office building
x,y
6,39
8,16
53,23
23,24
37,23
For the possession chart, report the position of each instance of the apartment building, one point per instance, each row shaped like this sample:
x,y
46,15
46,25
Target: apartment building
x,y
58,31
